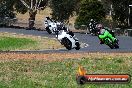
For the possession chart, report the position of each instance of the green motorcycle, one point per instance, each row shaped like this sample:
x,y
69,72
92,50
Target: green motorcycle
x,y
109,40
111,44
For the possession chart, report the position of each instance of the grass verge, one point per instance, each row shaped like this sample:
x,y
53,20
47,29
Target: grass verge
x,y
40,73
9,43
12,41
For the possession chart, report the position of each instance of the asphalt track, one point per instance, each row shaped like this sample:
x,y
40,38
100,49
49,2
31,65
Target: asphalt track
x,y
91,42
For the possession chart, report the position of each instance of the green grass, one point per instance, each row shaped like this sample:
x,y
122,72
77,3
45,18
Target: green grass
x,y
44,74
12,43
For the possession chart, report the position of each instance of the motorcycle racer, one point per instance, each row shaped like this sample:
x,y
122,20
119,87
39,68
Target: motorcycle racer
x,y
104,32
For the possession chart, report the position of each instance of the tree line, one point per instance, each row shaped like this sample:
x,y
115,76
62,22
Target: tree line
x,y
119,10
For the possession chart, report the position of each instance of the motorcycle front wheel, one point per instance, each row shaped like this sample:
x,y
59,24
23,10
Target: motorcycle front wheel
x,y
48,30
77,46
116,46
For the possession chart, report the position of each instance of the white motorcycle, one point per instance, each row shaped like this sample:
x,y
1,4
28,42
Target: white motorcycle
x,y
68,40
51,26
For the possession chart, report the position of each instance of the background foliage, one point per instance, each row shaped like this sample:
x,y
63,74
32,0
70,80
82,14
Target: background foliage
x,y
90,9
84,9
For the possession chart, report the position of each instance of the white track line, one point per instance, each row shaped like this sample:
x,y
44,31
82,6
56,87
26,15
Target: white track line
x,y
84,45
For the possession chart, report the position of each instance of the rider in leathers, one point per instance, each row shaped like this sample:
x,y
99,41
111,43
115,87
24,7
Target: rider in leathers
x,y
103,33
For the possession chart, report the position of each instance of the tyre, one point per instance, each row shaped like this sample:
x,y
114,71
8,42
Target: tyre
x,y
81,80
109,43
67,43
77,46
111,46
116,46
48,30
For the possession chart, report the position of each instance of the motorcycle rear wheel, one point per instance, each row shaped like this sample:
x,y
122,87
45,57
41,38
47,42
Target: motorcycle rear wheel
x,y
67,43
